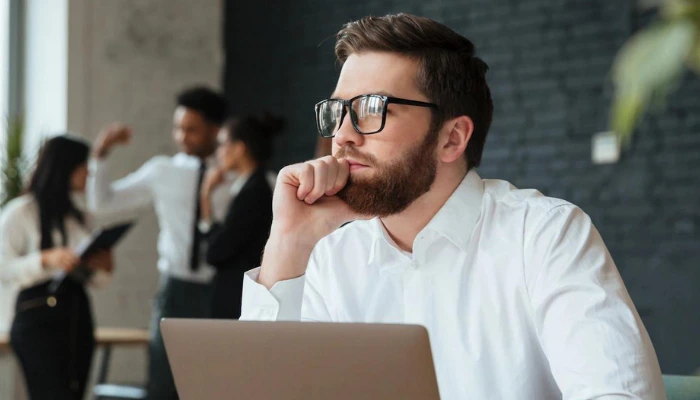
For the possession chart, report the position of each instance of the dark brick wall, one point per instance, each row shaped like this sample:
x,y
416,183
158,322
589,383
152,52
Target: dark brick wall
x,y
550,62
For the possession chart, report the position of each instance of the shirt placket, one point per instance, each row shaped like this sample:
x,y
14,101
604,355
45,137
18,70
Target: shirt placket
x,y
414,285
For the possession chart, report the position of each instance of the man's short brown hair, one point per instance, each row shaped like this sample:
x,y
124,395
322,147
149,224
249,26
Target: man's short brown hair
x,y
451,75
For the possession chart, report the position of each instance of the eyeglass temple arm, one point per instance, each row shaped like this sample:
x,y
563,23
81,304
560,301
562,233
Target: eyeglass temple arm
x,y
410,102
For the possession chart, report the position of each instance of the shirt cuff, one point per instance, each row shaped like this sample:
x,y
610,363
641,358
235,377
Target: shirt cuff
x,y
281,303
28,271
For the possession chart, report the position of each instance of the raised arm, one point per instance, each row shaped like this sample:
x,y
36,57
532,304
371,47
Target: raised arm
x,y
125,194
305,209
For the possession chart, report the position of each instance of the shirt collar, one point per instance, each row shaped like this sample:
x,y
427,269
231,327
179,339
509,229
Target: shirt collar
x,y
460,213
455,220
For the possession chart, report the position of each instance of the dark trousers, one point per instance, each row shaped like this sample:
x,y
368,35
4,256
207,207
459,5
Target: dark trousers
x,y
175,299
52,337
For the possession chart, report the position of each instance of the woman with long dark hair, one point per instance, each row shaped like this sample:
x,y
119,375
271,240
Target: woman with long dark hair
x,y
235,245
52,330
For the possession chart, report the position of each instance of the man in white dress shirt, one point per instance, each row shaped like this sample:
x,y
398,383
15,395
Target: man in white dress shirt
x,y
171,185
517,290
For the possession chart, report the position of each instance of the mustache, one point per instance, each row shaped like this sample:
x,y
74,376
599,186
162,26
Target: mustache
x,y
356,155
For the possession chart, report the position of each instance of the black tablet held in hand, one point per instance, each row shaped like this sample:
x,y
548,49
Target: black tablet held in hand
x,y
102,239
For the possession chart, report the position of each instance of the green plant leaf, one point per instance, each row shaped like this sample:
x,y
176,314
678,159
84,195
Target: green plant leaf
x,y
626,109
646,69
680,9
694,57
13,164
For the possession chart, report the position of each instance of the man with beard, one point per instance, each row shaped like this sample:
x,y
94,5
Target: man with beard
x,y
517,290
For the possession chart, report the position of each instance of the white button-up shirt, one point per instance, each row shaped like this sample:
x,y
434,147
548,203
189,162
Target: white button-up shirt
x,y
517,290
170,184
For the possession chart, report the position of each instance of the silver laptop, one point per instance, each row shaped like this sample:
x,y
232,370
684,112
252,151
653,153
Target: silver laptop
x,y
219,359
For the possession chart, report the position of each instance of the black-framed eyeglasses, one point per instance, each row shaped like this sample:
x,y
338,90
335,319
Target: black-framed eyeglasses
x,y
367,113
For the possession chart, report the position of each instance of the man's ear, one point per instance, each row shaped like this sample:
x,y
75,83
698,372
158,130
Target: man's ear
x,y
455,138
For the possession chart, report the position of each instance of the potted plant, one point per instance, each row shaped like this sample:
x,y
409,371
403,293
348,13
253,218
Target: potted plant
x,y
13,162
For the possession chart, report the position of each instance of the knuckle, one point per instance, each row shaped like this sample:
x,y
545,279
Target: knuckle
x,y
286,170
307,168
317,164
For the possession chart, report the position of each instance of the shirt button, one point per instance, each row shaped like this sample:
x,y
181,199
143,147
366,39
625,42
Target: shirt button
x,y
414,264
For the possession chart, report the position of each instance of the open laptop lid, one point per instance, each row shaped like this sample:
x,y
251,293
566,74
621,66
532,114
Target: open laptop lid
x,y
220,359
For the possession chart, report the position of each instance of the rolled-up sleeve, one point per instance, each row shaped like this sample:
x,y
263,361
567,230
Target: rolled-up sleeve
x,y
281,303
298,299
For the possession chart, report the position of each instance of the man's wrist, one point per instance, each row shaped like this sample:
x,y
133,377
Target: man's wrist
x,y
305,237
286,257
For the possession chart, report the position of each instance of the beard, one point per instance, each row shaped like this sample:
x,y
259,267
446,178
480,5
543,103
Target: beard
x,y
394,186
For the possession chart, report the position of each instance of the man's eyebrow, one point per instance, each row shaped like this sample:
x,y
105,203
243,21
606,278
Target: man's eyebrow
x,y
379,92
384,93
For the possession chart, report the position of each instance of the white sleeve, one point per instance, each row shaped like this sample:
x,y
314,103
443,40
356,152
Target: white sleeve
x,y
281,303
17,265
589,329
297,299
128,193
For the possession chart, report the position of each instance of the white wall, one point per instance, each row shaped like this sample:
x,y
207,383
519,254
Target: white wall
x,y
45,64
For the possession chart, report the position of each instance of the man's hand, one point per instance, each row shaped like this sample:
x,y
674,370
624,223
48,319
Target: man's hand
x,y
305,210
110,136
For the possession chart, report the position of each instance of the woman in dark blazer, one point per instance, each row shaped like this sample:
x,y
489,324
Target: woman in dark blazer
x,y
235,245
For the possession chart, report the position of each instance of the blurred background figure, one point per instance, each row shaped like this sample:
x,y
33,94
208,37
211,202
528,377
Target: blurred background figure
x,y
171,185
235,245
52,331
